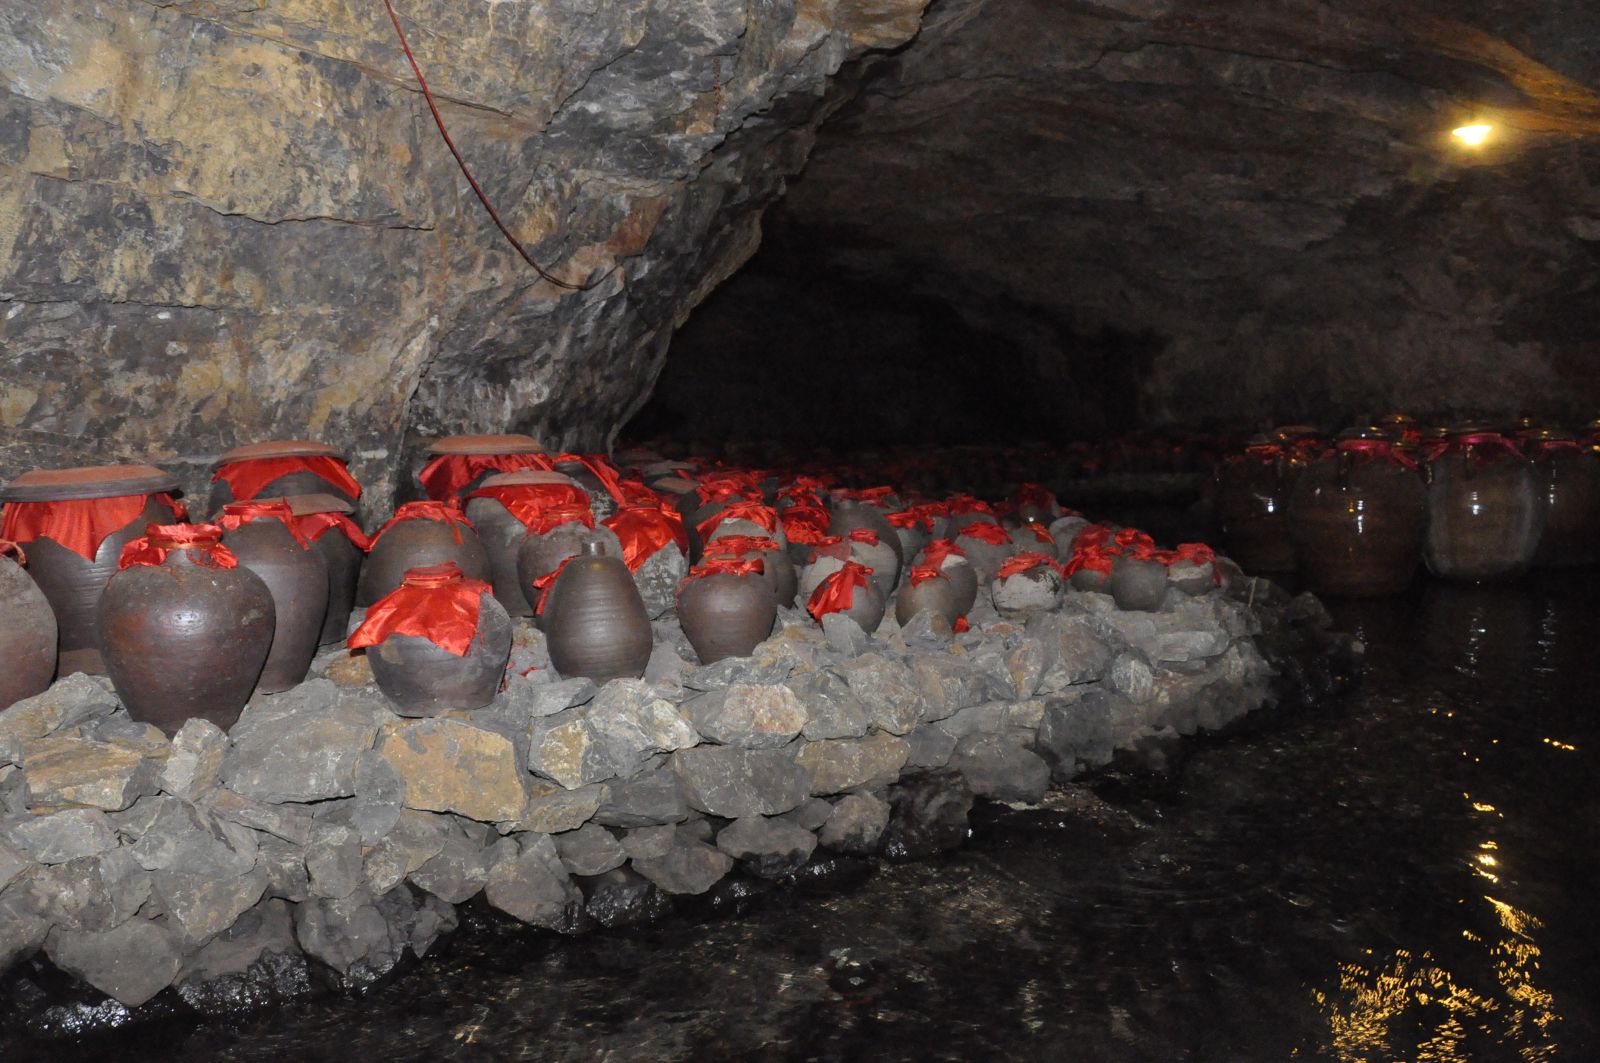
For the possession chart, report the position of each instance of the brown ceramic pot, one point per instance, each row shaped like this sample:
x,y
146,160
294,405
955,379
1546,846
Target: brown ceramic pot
x,y
776,568
302,482
846,515
725,614
867,606
1252,505
480,457
186,638
543,553
1567,475
424,679
344,551
297,576
937,595
70,581
1358,515
1138,584
503,534
418,543
27,634
1484,510
595,620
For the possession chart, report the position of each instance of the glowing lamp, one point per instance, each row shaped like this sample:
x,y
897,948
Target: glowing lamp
x,y
1473,135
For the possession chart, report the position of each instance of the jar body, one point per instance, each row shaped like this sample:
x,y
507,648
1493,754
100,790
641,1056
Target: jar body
x,y
848,515
725,615
1138,585
1568,482
184,640
294,483
1252,501
27,636
502,536
74,585
1484,515
938,595
424,679
595,620
416,544
298,580
1358,525
343,558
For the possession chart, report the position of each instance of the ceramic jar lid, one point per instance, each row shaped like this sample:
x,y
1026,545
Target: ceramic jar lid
x,y
281,448
505,444
94,481
529,477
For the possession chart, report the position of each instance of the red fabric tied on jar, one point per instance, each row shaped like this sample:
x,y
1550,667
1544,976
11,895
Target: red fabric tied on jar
x,y
79,524
436,603
1197,554
552,517
1132,539
739,545
545,582
642,529
985,532
726,489
959,504
1094,558
595,463
754,512
1040,532
920,574
1023,562
1035,495
1369,450
838,592
247,478
12,550
203,541
805,524
732,566
446,475
874,495
1485,446
445,512
236,515
315,525
939,549
864,535
527,502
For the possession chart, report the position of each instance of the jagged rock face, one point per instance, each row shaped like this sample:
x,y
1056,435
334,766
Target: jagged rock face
x,y
223,221
1148,210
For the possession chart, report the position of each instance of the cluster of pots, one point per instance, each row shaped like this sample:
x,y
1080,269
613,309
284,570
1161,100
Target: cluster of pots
x,y
102,571
1359,514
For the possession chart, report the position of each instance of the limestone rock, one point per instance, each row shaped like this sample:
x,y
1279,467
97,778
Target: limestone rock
x,y
648,843
529,883
767,848
194,767
831,707
1132,676
631,724
547,699
623,897
301,745
132,962
201,905
184,837
948,684
841,764
59,837
1079,734
658,579
554,809
417,838
23,926
333,861
72,700
689,866
1000,769
292,823
810,814
13,862
888,689
748,715
855,826
931,746
654,797
590,850
65,769
731,782
460,869
451,766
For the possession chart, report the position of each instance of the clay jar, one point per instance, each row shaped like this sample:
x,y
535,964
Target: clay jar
x,y
413,634
185,635
325,520
882,556
583,471
262,536
502,520
73,523
1358,515
955,568
543,552
595,620
281,468
1252,505
457,465
419,535
867,602
847,515
776,568
27,631
1567,475
926,588
1138,582
727,608
1484,509
986,545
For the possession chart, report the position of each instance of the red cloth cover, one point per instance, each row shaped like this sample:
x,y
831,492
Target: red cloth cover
x,y
601,468
236,515
645,528
923,573
204,541
436,603
527,502
838,592
247,478
805,524
315,525
1037,495
79,524
1095,558
967,504
733,566
1485,446
1019,563
1368,450
985,532
939,549
864,535
1040,532
448,512
446,475
545,582
13,551
874,495
754,512
739,545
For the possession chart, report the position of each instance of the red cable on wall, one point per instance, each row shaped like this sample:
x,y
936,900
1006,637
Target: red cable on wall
x,y
438,120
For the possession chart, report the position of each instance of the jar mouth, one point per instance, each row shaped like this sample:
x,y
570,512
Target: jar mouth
x,y
440,575
183,536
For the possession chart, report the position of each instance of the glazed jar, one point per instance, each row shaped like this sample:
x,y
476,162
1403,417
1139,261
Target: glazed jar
x,y
1358,515
952,562
880,555
27,631
326,521
1192,568
775,566
742,518
437,642
503,509
1567,475
559,536
852,592
596,476
420,534
595,620
655,547
278,469
727,607
1032,503
1139,580
458,464
928,588
186,628
849,514
1485,514
266,539
1252,505
828,556
73,523
1026,584
986,546
912,528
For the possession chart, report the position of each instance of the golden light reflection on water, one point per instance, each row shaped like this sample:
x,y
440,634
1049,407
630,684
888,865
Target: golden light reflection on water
x,y
1379,1007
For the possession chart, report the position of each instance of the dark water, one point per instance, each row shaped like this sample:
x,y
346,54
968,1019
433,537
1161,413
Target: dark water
x,y
1405,874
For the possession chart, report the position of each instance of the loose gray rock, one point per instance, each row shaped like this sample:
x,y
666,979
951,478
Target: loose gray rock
x,y
200,906
529,883
658,579
292,823
1000,769
767,848
653,797
193,769
928,815
417,838
948,684
67,769
647,843
810,815
555,809
630,724
888,689
1132,676
689,867
840,764
547,699
843,635
857,823
70,701
590,850
187,838
23,926
1080,734
730,782
132,962
623,897
350,935
13,862
285,866
59,836
458,871
832,708
931,746
747,715
301,745
333,861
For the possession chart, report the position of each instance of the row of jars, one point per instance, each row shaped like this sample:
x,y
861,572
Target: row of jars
x,y
1358,515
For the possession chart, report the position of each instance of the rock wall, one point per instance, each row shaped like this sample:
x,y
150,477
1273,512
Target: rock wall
x,y
324,833
222,221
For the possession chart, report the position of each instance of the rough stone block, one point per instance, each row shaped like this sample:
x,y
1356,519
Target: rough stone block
x,y
529,882
552,809
452,766
856,824
748,715
888,689
66,769
841,764
193,769
731,782
302,745
689,867
132,962
590,850
1000,769
59,837
767,848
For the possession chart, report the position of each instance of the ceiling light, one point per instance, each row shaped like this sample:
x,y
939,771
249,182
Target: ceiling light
x,y
1473,135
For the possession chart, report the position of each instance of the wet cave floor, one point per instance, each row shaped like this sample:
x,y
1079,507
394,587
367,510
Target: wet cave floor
x,y
1404,872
